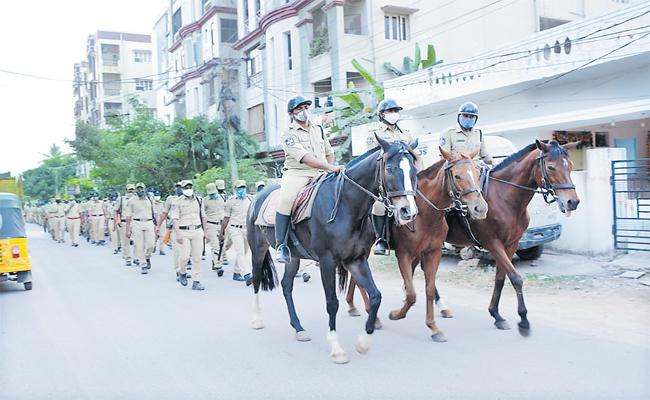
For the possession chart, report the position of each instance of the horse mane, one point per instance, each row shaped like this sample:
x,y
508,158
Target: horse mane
x,y
432,170
359,159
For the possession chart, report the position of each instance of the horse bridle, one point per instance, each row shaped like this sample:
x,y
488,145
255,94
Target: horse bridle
x,y
454,192
547,188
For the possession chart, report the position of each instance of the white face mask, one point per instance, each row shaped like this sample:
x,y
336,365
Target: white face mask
x,y
156,197
188,192
391,118
302,116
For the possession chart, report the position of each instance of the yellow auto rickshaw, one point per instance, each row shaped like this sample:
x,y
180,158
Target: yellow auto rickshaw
x,y
15,264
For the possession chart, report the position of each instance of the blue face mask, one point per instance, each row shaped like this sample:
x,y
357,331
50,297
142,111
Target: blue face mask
x,y
140,193
466,123
179,192
213,196
241,193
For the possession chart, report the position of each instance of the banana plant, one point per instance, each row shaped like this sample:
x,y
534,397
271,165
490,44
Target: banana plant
x,y
410,65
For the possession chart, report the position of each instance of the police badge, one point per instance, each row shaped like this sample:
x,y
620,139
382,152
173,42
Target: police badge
x,y
289,141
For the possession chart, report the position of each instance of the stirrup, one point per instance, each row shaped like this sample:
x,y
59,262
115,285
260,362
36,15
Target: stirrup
x,y
283,254
381,247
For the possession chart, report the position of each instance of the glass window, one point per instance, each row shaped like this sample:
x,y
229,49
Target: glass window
x,y
228,30
142,56
289,58
143,84
396,27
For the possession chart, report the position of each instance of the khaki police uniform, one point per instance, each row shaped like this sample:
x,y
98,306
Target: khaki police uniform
x,y
125,242
157,211
213,211
187,211
109,212
51,219
298,142
73,221
140,212
60,222
236,210
389,135
167,207
456,140
96,217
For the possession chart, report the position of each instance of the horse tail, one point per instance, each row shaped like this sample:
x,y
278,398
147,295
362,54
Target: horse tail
x,y
268,275
343,277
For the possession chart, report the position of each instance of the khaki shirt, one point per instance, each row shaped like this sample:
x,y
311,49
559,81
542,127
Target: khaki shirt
x,y
138,208
390,135
169,201
72,210
186,210
95,208
213,209
120,206
157,208
51,209
237,209
458,141
298,142
60,210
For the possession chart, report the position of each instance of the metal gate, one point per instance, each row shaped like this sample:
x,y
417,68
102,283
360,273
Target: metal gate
x,y
631,198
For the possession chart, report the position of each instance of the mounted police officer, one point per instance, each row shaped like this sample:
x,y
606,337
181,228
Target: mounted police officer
x,y
307,154
388,112
466,137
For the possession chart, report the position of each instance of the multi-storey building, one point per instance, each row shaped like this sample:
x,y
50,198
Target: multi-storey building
x,y
118,67
195,60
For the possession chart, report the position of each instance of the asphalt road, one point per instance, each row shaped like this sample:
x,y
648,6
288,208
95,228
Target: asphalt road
x,y
94,329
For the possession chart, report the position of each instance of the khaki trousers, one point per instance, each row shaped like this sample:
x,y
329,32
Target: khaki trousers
x,y
125,241
59,228
241,261
176,252
74,224
144,239
289,189
50,226
212,232
96,228
115,235
192,246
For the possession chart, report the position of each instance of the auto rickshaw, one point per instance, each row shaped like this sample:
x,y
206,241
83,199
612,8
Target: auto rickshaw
x,y
15,264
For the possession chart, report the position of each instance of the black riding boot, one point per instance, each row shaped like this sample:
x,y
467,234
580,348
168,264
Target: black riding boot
x,y
379,223
281,230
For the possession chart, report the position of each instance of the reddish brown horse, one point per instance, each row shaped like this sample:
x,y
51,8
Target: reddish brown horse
x,y
539,167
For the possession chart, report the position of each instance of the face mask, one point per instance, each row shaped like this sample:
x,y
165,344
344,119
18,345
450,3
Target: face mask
x,y
466,123
213,196
129,195
188,192
391,118
260,188
156,198
241,193
302,116
179,191
140,193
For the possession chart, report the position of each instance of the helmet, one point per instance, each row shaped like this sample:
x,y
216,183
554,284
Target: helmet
x,y
220,184
297,101
468,108
388,104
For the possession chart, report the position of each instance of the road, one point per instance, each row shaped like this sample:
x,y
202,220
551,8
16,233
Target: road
x,y
94,329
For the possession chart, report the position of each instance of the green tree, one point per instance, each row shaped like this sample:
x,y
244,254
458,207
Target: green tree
x,y
44,181
249,170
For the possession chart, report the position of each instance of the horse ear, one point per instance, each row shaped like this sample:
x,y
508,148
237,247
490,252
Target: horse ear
x,y
414,144
474,153
384,144
541,145
445,154
572,145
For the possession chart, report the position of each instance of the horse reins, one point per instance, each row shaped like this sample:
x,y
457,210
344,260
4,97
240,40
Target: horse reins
x,y
547,189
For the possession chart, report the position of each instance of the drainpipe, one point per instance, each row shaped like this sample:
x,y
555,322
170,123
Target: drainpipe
x,y
536,14
371,32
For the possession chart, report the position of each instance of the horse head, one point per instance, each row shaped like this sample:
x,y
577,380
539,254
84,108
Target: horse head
x,y
399,178
554,173
464,179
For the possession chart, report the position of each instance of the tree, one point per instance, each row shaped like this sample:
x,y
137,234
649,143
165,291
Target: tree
x,y
249,170
410,65
48,179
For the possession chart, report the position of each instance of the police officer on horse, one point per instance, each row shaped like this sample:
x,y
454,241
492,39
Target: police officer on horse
x,y
466,137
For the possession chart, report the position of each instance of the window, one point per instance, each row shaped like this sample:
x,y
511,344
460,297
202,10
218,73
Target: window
x,y
143,84
396,27
228,30
142,56
254,67
176,21
206,5
212,33
289,58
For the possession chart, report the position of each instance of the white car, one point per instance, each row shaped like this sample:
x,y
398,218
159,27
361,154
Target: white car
x,y
544,225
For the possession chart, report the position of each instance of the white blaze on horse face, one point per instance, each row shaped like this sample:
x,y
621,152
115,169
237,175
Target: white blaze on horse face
x,y
471,177
405,165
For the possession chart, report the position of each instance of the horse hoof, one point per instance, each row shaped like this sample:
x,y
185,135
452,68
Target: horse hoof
x,y
340,358
363,344
395,315
446,313
378,324
524,328
303,336
502,325
257,324
439,337
353,312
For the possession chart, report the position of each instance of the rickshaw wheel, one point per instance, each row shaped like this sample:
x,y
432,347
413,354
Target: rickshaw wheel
x,y
28,285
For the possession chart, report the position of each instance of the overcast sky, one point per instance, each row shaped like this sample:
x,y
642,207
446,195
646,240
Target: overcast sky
x,y
46,38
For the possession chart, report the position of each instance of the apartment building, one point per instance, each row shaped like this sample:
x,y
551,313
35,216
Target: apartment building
x,y
118,67
195,59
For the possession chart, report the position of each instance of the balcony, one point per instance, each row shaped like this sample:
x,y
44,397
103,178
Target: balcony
x,y
553,52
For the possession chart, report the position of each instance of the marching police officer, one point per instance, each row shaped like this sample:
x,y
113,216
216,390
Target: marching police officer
x,y
120,222
140,225
158,207
466,137
96,218
307,154
259,186
73,221
59,220
165,219
234,221
188,225
388,112
213,210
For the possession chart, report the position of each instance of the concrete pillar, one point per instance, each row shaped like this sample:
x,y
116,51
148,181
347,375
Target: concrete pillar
x,y
335,29
306,34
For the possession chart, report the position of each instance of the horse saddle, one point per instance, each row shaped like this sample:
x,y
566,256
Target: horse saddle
x,y
302,205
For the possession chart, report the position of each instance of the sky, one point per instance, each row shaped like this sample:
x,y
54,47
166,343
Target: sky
x,y
46,38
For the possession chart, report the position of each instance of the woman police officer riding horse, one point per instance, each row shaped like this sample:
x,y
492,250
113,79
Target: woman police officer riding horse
x,y
307,154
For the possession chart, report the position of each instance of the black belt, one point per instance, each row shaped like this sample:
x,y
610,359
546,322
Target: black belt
x,y
97,215
187,228
142,220
215,223
122,220
238,226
